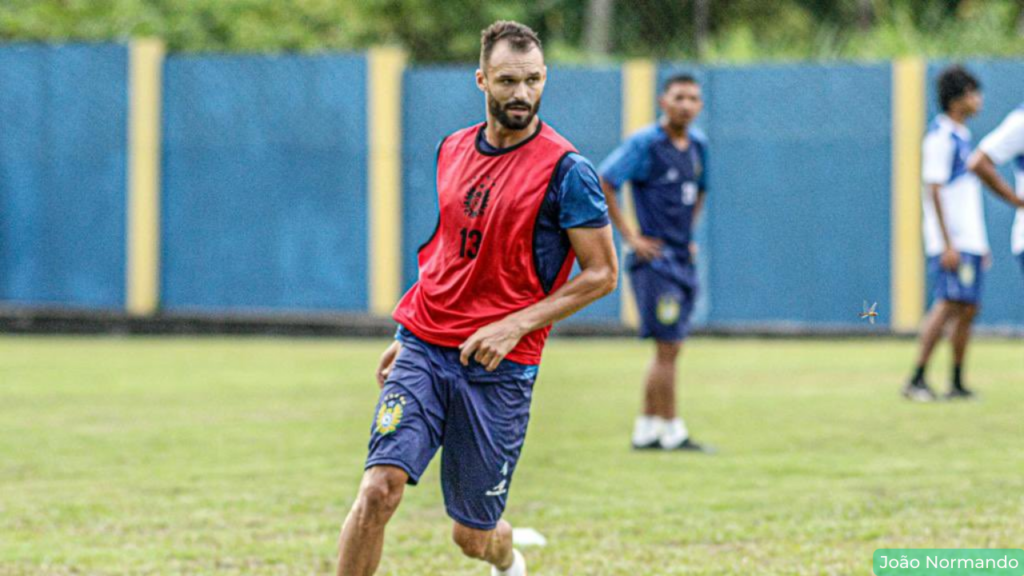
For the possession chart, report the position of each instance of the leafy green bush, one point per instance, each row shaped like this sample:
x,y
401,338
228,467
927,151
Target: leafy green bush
x,y
447,30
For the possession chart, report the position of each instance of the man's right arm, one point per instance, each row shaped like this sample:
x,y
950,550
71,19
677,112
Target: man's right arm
x,y
627,163
387,361
645,247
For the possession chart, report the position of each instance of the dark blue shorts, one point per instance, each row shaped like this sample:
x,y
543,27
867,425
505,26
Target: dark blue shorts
x,y
431,401
1020,258
666,291
961,285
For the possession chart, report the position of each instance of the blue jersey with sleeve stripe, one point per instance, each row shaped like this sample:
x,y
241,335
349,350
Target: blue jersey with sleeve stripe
x,y
666,182
574,200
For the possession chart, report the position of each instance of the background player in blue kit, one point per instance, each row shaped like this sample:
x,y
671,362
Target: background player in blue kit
x,y
666,164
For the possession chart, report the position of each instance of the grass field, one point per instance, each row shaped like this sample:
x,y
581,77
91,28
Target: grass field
x,y
235,456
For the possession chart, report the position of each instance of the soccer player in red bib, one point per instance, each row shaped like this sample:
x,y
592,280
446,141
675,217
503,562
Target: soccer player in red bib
x,y
518,205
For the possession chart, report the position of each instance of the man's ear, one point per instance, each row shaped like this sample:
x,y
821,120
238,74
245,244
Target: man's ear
x,y
480,79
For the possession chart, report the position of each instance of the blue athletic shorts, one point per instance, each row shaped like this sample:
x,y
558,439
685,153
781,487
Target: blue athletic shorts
x,y
430,400
1020,258
961,285
666,291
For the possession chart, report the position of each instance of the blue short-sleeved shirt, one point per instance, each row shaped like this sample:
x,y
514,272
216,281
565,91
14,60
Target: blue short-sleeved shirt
x,y
574,200
666,182
579,196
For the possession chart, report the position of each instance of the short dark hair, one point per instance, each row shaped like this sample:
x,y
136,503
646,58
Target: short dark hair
x,y
678,79
955,82
520,36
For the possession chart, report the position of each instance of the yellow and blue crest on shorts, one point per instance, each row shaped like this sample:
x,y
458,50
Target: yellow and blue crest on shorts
x,y
390,414
967,273
668,309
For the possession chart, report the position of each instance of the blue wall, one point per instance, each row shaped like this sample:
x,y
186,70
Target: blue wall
x,y
265,180
584,105
63,130
1003,87
799,204
436,101
264,183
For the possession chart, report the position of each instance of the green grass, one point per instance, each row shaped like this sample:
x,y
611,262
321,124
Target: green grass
x,y
220,456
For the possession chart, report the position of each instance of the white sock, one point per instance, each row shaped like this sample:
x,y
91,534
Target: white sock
x,y
673,434
518,567
647,429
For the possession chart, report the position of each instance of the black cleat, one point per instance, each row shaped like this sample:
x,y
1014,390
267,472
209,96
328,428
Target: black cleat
x,y
959,393
652,445
689,445
918,391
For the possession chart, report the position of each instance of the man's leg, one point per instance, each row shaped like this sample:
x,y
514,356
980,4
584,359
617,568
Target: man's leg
x,y
931,333
491,546
961,337
362,535
660,383
659,395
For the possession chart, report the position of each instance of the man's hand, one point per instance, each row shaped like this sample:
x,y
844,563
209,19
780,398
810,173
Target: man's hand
x,y
950,259
694,251
387,361
645,247
490,344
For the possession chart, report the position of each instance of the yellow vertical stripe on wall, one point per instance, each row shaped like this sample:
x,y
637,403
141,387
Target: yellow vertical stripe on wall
x,y
639,85
142,271
384,97
908,121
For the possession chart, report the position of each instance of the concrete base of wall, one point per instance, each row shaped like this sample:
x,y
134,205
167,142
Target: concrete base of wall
x,y
81,322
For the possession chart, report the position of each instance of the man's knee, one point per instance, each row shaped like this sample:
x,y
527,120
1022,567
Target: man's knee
x,y
961,311
471,541
942,308
381,492
667,351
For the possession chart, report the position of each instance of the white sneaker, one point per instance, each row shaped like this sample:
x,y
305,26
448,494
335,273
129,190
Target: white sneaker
x,y
647,431
673,435
518,567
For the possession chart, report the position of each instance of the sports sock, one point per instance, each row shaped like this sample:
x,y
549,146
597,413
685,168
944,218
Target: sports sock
x,y
918,374
957,374
518,567
674,433
647,429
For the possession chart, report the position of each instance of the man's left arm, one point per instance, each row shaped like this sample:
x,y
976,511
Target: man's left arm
x,y
599,273
702,188
698,209
583,216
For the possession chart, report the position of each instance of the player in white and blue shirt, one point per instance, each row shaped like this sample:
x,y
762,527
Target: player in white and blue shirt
x,y
667,166
1002,145
955,238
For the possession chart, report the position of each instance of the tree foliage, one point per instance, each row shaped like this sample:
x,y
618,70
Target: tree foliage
x,y
448,30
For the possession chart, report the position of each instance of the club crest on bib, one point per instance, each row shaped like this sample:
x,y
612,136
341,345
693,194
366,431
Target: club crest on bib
x,y
478,197
668,309
390,414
